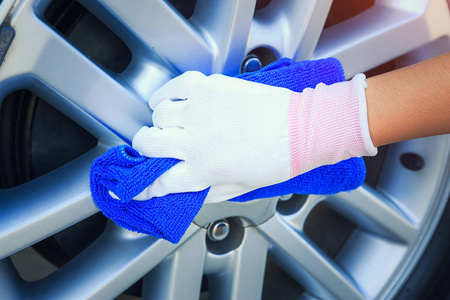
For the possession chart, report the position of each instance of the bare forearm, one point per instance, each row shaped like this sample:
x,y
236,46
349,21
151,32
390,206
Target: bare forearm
x,y
409,103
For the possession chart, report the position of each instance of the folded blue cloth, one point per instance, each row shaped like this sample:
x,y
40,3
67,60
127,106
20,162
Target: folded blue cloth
x,y
126,173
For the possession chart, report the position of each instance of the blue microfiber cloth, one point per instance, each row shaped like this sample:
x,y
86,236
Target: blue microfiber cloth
x,y
126,173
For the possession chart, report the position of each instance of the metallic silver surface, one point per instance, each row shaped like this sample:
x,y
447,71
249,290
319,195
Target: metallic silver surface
x,y
251,64
285,197
218,231
394,220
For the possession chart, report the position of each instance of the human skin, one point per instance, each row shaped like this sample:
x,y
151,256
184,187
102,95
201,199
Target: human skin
x,y
411,102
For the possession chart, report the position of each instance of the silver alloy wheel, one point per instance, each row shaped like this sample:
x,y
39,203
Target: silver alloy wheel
x,y
394,221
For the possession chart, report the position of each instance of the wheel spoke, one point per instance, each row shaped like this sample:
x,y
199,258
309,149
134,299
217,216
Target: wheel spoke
x,y
307,31
161,28
376,213
107,267
382,25
307,264
70,81
228,24
5,7
179,276
292,28
243,276
46,205
10,283
297,219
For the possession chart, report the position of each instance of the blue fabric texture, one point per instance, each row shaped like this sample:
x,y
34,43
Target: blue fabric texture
x,y
126,173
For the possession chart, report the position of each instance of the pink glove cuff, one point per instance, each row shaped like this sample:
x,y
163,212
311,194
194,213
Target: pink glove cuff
x,y
328,124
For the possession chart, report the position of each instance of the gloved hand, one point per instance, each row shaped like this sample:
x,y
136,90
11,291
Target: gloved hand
x,y
236,136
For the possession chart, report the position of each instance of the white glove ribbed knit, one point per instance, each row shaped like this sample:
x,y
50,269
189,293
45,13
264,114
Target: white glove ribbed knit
x,y
237,136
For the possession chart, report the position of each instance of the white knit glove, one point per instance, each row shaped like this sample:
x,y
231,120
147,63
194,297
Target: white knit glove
x,y
237,136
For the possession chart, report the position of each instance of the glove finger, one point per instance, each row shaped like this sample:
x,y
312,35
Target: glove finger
x,y
155,142
169,113
177,88
174,180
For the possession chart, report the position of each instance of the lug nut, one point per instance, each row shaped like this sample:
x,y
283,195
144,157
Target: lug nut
x,y
218,230
286,197
251,64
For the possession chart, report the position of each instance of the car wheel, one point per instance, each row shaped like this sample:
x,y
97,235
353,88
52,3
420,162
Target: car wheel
x,y
74,79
